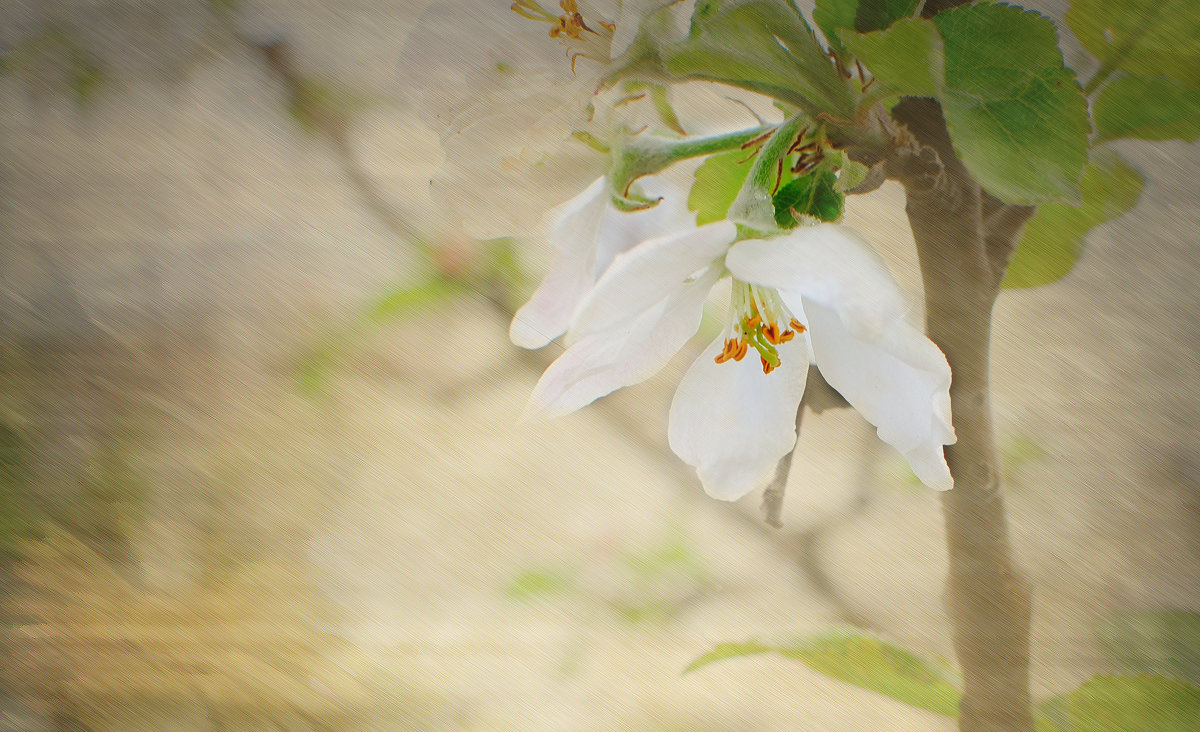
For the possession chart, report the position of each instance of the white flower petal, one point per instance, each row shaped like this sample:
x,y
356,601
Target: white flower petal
x,y
622,230
574,235
929,464
676,24
898,380
642,276
732,422
588,232
503,171
607,361
460,50
827,264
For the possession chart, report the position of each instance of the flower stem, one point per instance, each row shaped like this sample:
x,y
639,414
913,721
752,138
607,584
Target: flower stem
x,y
638,155
753,207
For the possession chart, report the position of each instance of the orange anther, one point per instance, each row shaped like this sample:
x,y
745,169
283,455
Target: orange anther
x,y
741,351
786,336
797,326
767,367
752,322
729,351
770,331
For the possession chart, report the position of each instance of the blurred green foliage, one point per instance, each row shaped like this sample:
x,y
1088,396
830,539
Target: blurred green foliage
x,y
56,52
15,520
1163,642
651,584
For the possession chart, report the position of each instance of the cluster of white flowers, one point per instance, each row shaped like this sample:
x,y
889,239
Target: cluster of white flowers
x,y
627,288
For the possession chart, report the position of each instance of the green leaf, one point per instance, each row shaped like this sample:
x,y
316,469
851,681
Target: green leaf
x,y
1054,238
908,57
718,181
317,103
1147,37
15,521
1163,642
1016,116
1053,715
1134,704
729,650
815,195
865,662
408,299
1149,109
879,14
834,16
765,46
86,78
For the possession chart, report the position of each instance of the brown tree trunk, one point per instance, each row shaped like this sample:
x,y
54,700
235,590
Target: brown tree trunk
x,y
964,241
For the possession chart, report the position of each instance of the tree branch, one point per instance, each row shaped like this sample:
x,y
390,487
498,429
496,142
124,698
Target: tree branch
x,y
818,396
964,242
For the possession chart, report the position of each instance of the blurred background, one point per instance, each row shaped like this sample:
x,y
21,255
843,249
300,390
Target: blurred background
x,y
260,466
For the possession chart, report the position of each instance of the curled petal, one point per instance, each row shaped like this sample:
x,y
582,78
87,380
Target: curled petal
x,y
574,235
732,422
642,276
670,26
827,264
604,362
587,233
898,380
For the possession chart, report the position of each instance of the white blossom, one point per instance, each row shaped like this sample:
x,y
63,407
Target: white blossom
x,y
587,233
510,88
817,293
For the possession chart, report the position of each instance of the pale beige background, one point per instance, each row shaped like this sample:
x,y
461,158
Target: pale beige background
x,y
172,252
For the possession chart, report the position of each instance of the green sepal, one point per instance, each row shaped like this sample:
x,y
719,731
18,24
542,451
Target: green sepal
x,y
814,195
764,46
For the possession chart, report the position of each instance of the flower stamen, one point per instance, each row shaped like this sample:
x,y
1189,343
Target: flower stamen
x,y
756,323
571,28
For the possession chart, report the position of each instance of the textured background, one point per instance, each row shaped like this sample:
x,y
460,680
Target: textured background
x,y
228,551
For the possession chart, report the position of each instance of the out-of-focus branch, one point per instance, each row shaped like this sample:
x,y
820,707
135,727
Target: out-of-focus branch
x,y
335,124
818,396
